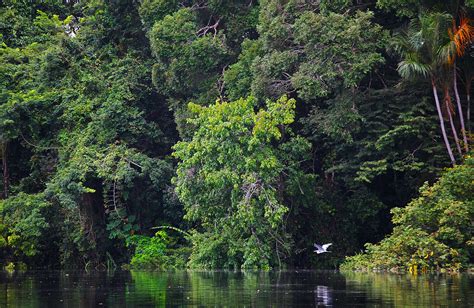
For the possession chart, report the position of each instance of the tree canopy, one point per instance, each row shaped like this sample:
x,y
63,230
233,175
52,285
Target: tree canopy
x,y
235,134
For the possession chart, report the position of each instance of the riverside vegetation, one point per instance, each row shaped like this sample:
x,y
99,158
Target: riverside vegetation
x,y
235,134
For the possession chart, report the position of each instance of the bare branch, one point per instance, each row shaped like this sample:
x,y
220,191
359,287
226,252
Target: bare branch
x,y
204,30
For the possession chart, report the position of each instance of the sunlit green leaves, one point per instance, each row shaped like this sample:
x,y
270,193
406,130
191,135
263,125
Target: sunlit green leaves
x,y
23,224
231,171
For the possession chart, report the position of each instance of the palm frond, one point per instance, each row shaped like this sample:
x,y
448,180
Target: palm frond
x,y
434,27
446,54
400,44
462,35
410,68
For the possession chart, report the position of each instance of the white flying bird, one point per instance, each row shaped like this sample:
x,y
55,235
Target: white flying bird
x,y
322,249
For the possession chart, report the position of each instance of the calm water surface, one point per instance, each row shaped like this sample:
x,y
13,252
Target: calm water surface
x,y
232,289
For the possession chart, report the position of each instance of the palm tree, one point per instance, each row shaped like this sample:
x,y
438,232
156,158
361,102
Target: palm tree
x,y
469,77
420,46
449,110
461,35
467,63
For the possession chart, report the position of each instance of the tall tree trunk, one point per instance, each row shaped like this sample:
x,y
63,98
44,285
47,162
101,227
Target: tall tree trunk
x,y
468,94
441,122
453,127
469,113
6,175
460,113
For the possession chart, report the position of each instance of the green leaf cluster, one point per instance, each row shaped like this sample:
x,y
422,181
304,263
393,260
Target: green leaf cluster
x,y
23,225
231,178
312,53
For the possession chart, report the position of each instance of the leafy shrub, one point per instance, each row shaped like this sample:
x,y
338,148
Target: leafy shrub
x,y
149,251
154,252
22,224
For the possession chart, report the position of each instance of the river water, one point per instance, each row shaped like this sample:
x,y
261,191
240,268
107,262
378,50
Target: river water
x,y
233,289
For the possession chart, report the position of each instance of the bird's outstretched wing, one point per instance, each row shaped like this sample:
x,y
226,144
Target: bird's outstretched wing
x,y
326,246
318,247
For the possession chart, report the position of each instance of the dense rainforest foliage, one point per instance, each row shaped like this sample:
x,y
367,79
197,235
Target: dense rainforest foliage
x,y
235,134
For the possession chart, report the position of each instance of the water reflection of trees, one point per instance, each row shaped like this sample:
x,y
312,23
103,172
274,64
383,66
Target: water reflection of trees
x,y
408,290
220,288
231,289
62,289
202,288
15,297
